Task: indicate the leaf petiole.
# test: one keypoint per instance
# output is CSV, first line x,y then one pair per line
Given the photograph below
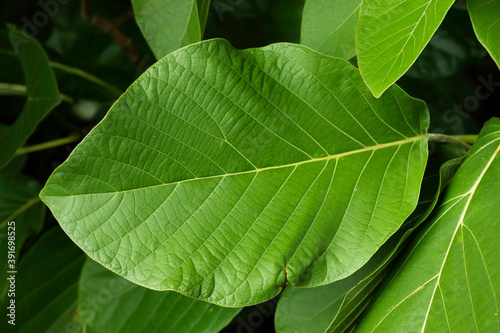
x,y
49,144
460,140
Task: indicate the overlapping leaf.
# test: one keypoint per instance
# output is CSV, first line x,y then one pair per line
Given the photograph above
x,y
334,307
109,303
223,173
449,277
42,91
330,26
47,287
390,36
486,23
169,25
451,48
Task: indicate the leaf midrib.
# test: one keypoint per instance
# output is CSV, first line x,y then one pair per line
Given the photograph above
x,y
470,193
257,170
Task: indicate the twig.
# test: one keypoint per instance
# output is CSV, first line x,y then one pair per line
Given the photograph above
x,y
49,144
448,139
107,27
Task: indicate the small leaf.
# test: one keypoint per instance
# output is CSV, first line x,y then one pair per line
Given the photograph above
x,y
19,203
108,303
172,24
484,16
334,307
449,276
222,173
390,36
42,91
46,287
330,26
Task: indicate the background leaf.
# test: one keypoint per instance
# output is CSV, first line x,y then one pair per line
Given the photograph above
x,y
109,303
330,26
42,91
47,287
19,202
449,276
484,16
334,307
169,25
240,178
390,36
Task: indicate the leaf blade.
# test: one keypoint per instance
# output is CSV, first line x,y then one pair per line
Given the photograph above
x,y
254,154
330,28
486,25
334,307
445,247
42,91
169,25
384,56
153,311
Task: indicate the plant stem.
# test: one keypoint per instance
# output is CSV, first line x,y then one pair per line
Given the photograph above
x,y
87,76
49,144
75,71
14,89
455,140
467,138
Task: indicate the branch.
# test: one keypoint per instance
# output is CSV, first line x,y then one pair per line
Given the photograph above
x,y
108,28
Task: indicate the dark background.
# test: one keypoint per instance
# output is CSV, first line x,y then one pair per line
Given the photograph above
x,y
447,76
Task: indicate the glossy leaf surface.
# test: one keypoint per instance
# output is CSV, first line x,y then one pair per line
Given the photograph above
x,y
223,173
390,36
43,94
330,26
449,276
109,303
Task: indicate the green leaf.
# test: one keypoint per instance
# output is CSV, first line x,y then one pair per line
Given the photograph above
x,y
330,26
19,202
390,36
203,9
218,175
333,307
109,303
449,277
172,24
42,91
484,16
451,48
46,287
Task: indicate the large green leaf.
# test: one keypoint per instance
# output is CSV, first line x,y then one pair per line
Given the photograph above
x,y
169,25
333,307
390,36
42,91
486,23
19,203
223,173
47,287
449,277
330,26
109,303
